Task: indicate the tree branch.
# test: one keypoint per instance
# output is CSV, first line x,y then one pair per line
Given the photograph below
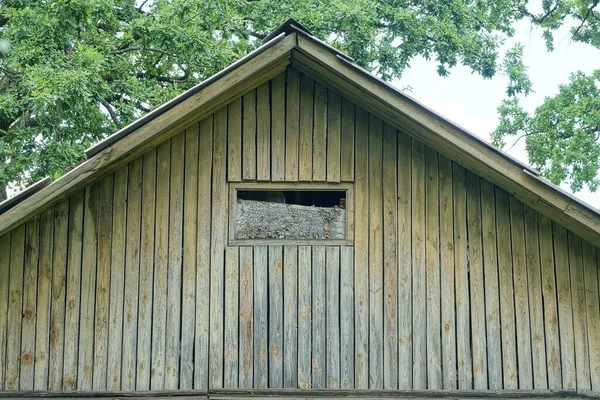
x,y
585,17
112,113
181,79
537,18
135,48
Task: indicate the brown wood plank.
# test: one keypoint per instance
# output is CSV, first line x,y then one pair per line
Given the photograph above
x,y
319,319
263,132
161,261
261,314
492,294
201,346
521,295
292,124
463,328
132,274
476,289
361,253
219,237
390,262
305,143
190,230
376,270
405,355
565,311
85,365
319,139
278,128
4,290
234,141
448,312
304,317
246,375
248,135
347,317
534,278
276,312
32,240
332,288
549,290
419,295
117,280
15,308
592,311
347,142
230,342
582,360
73,294
290,317
334,117
147,240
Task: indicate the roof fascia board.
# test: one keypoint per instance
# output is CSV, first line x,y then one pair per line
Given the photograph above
x,y
247,75
406,114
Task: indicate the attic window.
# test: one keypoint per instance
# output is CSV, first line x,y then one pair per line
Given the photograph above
x,y
278,213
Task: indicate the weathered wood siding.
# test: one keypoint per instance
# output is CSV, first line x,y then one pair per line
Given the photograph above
x,y
451,283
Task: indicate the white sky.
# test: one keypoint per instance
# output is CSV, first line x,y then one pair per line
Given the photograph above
x,y
470,101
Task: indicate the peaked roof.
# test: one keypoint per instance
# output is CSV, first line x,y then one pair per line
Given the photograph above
x,y
293,44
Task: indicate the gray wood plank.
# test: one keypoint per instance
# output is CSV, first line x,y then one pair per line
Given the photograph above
x,y
278,128
276,312
248,135
234,141
319,319
304,317
263,132
305,144
15,309
347,142
592,311
334,116
347,317
290,317
246,378
319,139
230,373
261,315
4,290
292,124
332,282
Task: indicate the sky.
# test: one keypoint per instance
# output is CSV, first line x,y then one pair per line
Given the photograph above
x,y
470,101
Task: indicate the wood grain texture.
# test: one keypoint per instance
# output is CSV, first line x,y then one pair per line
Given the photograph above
x,y
276,312
231,335
347,141
4,290
590,268
347,317
332,317
234,141
248,135
292,124
261,315
263,132
319,324
305,142
304,317
290,317
246,365
278,123
15,308
319,139
334,116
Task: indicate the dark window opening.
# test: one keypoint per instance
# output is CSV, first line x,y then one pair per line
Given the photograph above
x,y
312,198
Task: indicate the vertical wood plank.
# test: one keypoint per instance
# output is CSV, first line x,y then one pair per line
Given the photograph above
x,y
218,238
447,274
347,317
376,270
261,313
230,377
463,328
332,262
85,363
507,303
147,238
534,278
582,360
161,262
117,279
275,316
404,262
347,142
15,306
278,128
32,236
174,269
105,215
246,376
475,265
361,253
305,150
4,290
319,319
132,274
73,291
263,132
334,117
234,141
292,124
592,311
201,345
248,134
419,296
390,264
492,296
521,295
304,317
190,239
565,311
320,134
432,267
549,291
290,317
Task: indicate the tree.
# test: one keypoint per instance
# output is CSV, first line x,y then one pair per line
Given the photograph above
x,y
562,135
77,70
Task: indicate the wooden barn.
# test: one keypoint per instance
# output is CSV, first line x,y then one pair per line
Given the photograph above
x,y
295,227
